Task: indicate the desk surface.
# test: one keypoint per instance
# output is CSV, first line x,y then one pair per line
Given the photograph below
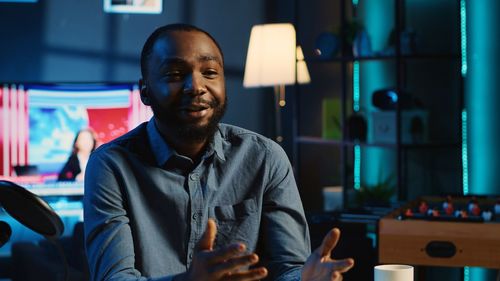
x,y
56,188
47,186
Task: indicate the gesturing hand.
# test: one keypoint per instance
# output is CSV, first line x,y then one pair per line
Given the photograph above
x,y
320,266
226,263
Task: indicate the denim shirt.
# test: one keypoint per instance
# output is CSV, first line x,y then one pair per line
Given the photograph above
x,y
145,206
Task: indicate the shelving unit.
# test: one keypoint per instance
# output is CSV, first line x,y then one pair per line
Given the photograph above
x,y
319,140
313,156
351,59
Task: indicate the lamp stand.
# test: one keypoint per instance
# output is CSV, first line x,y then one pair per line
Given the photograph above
x,y
279,97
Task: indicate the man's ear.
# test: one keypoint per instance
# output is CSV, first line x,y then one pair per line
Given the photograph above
x,y
144,92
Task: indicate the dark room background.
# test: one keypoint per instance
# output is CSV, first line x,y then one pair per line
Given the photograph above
x,y
74,41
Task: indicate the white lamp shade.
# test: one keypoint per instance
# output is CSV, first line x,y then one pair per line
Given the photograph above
x,y
302,72
271,56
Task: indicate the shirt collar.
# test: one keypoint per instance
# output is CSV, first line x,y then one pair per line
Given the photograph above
x,y
163,151
217,145
160,148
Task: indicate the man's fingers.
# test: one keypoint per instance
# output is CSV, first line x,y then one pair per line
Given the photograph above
x,y
252,274
207,240
226,253
343,266
336,276
329,242
237,263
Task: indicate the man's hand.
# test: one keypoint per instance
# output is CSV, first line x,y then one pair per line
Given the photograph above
x,y
226,263
320,266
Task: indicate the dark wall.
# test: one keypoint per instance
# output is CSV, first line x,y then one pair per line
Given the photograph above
x,y
20,33
75,41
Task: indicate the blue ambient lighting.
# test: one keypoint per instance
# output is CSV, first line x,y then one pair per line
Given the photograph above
x,y
357,167
355,106
463,36
465,160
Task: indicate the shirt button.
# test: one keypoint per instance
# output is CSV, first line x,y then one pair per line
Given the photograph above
x,y
195,216
194,177
190,256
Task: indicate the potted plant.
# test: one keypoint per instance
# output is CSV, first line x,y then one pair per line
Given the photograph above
x,y
377,195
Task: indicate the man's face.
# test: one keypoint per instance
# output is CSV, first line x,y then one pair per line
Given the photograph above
x,y
185,84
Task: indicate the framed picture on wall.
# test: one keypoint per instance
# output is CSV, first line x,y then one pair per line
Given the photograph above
x,y
133,6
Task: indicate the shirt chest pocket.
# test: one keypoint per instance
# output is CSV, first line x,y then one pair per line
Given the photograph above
x,y
237,223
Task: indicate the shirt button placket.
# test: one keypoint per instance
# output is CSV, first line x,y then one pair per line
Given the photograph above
x,y
195,216
189,257
194,177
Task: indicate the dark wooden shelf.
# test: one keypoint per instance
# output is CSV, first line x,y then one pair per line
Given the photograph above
x,y
322,141
428,56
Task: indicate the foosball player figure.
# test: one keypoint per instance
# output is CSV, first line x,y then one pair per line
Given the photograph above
x,y
461,214
497,208
423,207
470,204
473,207
487,215
476,211
408,213
448,206
435,212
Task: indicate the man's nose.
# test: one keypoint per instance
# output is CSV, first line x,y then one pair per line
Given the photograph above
x,y
194,84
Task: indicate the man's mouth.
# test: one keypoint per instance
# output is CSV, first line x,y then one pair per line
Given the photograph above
x,y
196,110
196,107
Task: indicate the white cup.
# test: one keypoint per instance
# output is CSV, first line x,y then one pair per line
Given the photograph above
x,y
393,272
332,198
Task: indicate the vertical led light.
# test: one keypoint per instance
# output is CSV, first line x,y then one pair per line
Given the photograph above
x,y
463,44
5,125
463,37
355,106
465,163
22,124
355,86
465,160
357,167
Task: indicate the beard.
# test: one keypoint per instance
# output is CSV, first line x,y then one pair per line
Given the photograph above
x,y
187,131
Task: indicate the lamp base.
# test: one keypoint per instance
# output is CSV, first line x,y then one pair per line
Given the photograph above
x,y
279,96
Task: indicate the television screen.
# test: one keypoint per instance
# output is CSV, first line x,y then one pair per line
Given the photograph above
x,y
39,124
133,6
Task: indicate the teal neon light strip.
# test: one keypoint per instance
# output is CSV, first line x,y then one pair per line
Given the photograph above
x,y
463,37
465,159
355,107
355,86
357,167
466,273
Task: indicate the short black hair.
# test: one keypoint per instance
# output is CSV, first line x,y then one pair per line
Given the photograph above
x,y
160,31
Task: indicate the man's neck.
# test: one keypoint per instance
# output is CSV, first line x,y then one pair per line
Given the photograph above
x,y
189,148
192,150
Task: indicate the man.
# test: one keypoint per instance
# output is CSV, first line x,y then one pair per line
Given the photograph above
x,y
183,197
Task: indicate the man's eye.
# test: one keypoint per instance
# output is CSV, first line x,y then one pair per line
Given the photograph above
x,y
210,73
173,75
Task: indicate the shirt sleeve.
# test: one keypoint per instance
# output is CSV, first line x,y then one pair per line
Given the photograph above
x,y
108,237
284,230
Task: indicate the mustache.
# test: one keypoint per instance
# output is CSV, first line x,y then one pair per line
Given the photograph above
x,y
200,101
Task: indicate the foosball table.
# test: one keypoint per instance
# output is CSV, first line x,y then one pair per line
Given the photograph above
x,y
443,231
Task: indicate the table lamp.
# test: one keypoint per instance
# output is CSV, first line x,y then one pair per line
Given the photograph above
x,y
274,59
